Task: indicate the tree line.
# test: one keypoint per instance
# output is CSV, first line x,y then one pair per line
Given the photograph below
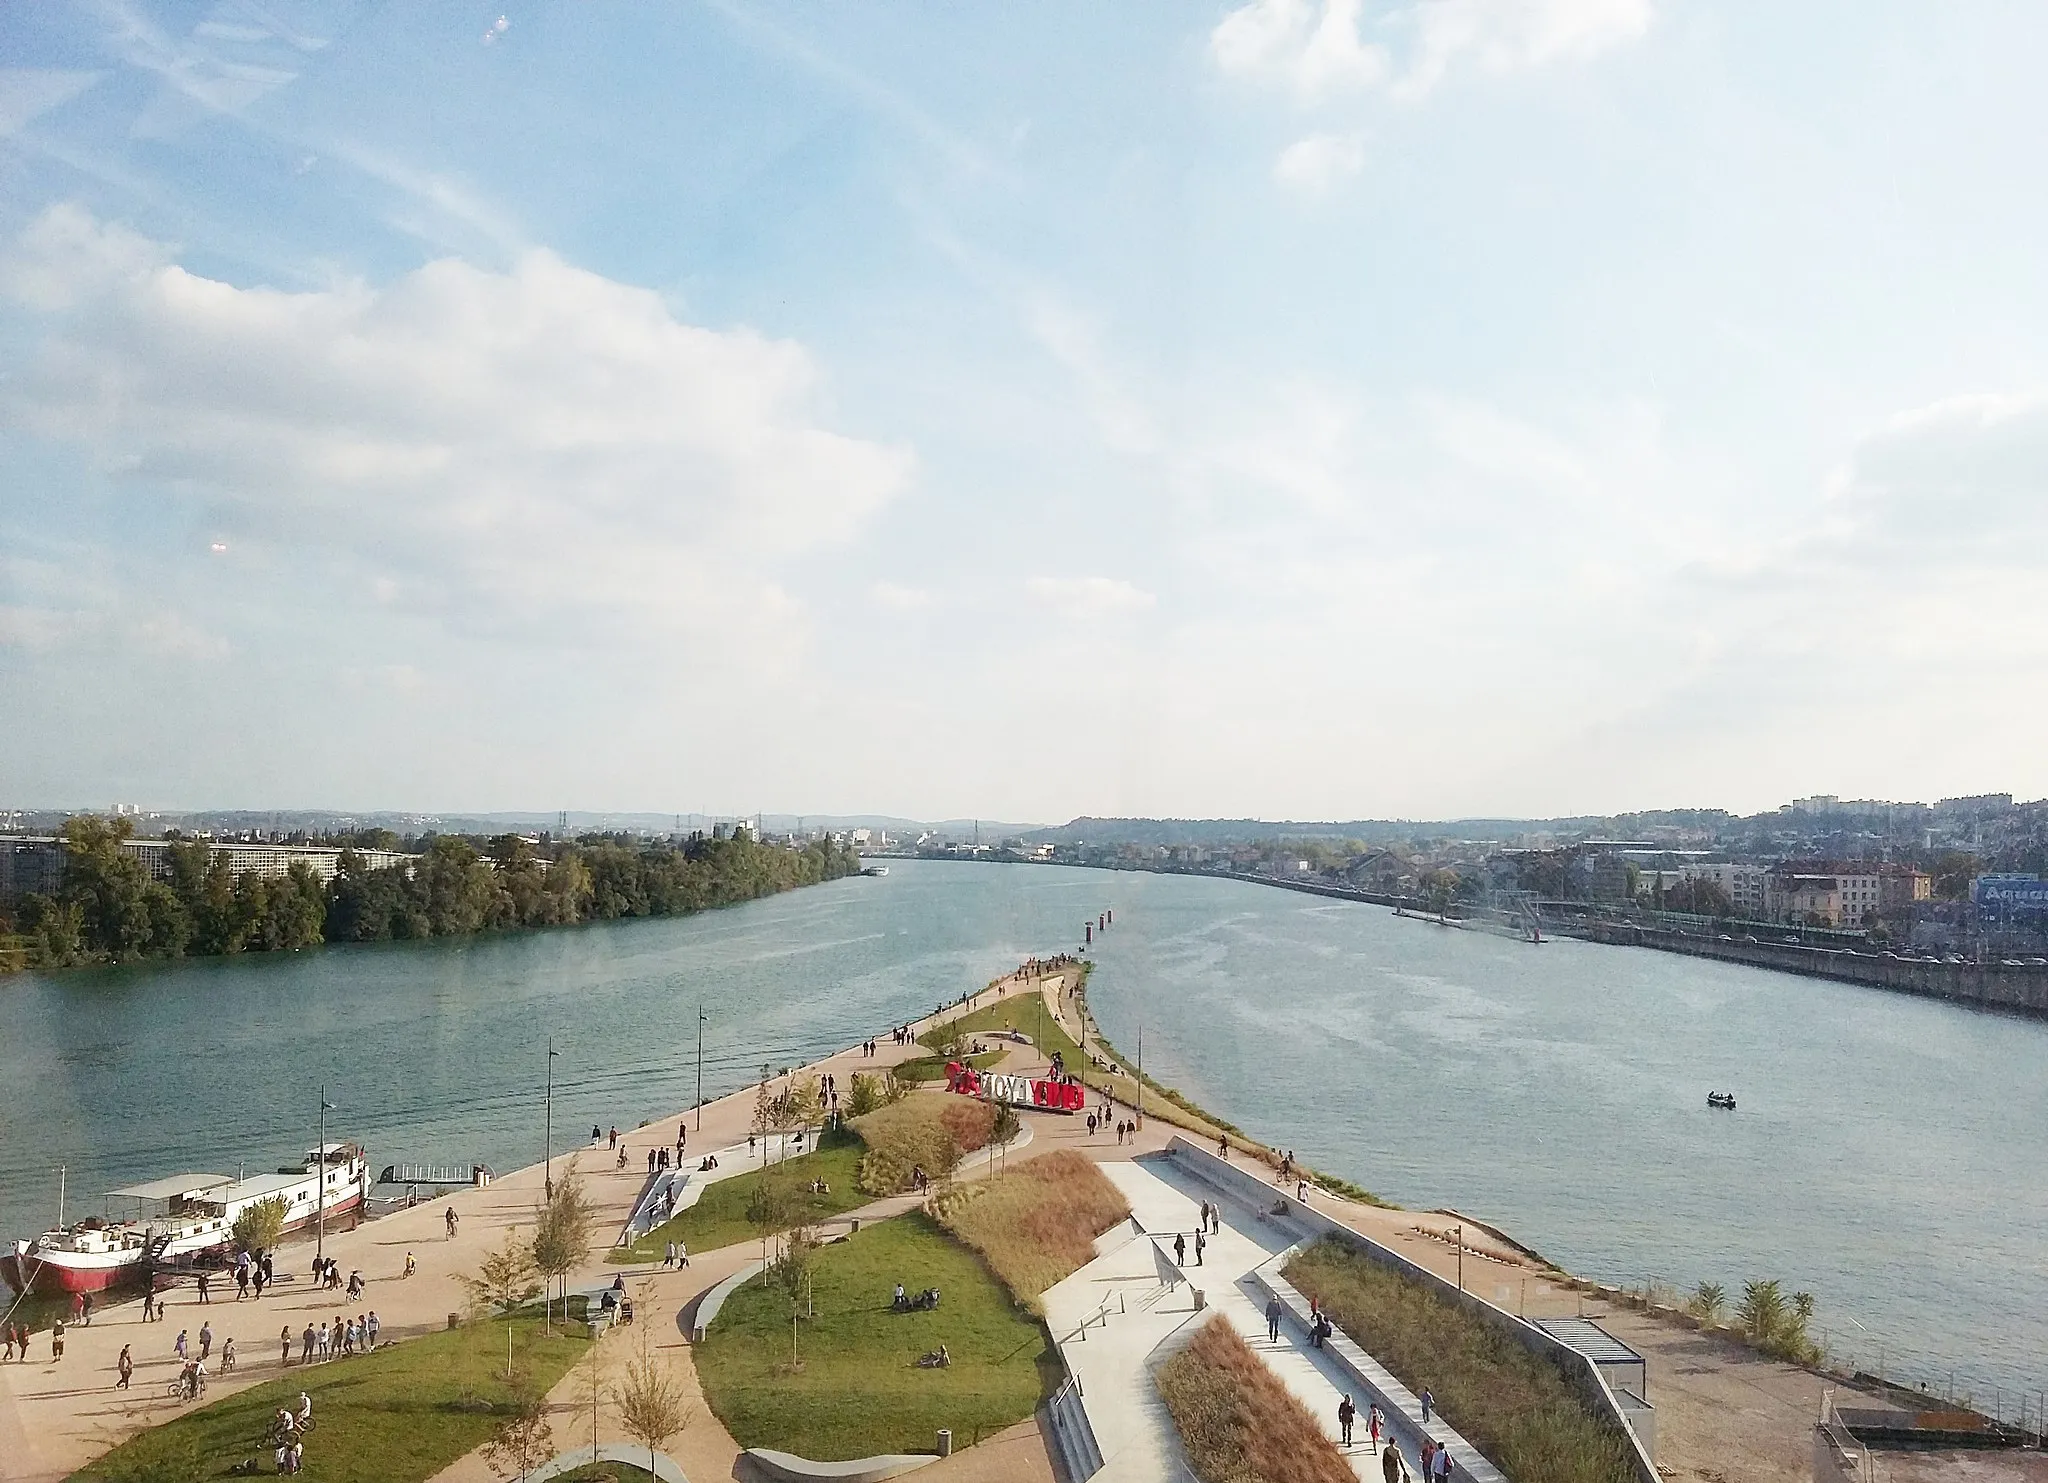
x,y
109,909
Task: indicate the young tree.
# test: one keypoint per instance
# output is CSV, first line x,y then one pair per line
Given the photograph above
x,y
258,1227
503,1281
561,1231
523,1440
863,1094
652,1404
1002,1128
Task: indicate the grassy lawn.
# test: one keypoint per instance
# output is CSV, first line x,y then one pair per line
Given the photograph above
x,y
921,1069
396,1416
1038,1222
1238,1422
719,1218
860,1391
606,1472
1512,1405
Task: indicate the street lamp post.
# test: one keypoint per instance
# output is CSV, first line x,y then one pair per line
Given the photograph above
x,y
320,1189
1460,1230
700,1065
548,1125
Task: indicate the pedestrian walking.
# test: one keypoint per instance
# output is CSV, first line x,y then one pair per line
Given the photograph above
x,y
7,1335
125,1368
1427,1457
241,1281
1392,1468
1444,1465
205,1340
85,1309
1273,1312
180,1346
57,1340
682,1254
451,1222
306,1346
1201,1244
1373,1423
21,1341
370,1330
284,1344
1180,1250
320,1341
1428,1405
1346,1415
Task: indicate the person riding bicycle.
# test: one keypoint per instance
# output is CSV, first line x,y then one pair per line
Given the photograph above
x,y
305,1408
227,1356
451,1222
411,1266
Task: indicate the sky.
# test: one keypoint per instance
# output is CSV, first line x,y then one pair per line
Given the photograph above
x,y
1308,408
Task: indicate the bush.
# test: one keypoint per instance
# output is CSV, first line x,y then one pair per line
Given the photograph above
x,y
1238,1422
1038,1223
1514,1406
926,1132
1775,1324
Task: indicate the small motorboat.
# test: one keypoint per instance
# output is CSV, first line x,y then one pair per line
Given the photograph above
x,y
1721,1099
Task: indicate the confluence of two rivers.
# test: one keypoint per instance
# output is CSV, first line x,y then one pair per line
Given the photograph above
x,y
1889,1154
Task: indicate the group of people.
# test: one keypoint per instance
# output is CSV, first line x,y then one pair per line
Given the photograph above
x,y
288,1434
1126,1128
327,1274
678,1255
16,1337
252,1273
325,1341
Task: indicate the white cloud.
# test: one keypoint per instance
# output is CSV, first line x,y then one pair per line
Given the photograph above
x,y
1516,35
1313,48
500,447
1316,48
1088,597
1315,164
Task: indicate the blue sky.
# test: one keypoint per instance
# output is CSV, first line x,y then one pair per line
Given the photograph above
x,y
1305,409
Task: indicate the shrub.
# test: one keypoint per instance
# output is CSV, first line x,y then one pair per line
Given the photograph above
x,y
1514,1406
1775,1324
1038,1223
1238,1422
928,1132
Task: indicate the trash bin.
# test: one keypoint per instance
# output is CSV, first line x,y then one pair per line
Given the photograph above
x,y
945,1441
455,1320
1201,1301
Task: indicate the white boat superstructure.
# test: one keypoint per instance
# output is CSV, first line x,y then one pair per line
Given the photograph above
x,y
190,1216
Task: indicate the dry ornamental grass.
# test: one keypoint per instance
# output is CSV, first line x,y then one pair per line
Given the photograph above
x,y
1512,1405
926,1131
1038,1222
1238,1422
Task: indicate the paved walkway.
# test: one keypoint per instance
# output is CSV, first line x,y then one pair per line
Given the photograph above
x,y
56,1417
1133,1307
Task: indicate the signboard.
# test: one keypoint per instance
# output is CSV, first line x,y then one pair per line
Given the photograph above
x,y
2009,893
1043,1094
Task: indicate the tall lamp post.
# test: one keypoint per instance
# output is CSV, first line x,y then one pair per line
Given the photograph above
x,y
700,1065
548,1125
320,1194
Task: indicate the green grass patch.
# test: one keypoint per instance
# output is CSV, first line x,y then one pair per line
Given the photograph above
x,y
1514,1406
860,1390
922,1069
719,1218
606,1472
395,1416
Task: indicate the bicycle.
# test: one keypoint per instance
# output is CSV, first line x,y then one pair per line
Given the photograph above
x,y
174,1389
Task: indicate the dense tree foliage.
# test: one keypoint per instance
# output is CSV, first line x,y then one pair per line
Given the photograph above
x,y
109,909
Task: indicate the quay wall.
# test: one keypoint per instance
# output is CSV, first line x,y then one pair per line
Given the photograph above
x,y
2022,989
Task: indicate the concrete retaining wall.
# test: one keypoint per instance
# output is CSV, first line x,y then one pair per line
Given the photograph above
x,y
2022,990
1073,1436
1582,1374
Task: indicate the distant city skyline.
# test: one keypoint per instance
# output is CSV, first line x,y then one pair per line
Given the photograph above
x,y
1302,409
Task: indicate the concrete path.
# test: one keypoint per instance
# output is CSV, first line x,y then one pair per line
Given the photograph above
x,y
1133,1307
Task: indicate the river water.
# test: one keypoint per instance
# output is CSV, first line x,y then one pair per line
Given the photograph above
x,y
1889,1155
